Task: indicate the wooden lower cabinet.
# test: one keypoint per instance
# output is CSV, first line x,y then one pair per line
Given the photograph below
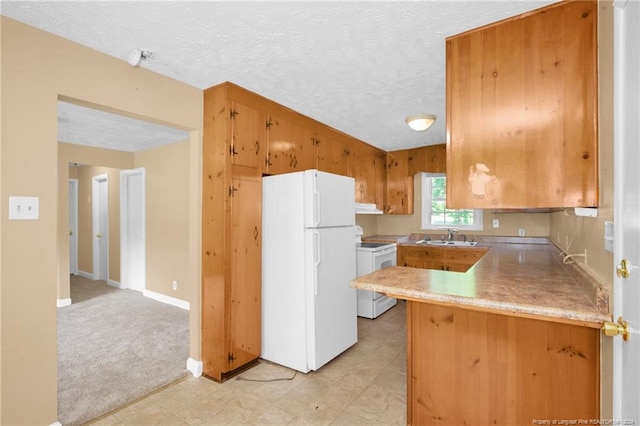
x,y
445,259
476,368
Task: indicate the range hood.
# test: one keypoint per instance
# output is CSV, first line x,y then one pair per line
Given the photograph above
x,y
363,208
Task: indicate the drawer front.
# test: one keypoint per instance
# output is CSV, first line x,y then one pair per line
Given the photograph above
x,y
463,254
430,252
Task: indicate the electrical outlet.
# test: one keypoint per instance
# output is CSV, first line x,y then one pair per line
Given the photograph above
x,y
496,223
521,232
174,284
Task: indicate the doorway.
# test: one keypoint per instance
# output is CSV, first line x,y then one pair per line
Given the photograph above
x,y
100,205
73,226
132,229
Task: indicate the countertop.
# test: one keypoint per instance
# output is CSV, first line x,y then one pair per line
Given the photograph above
x,y
517,276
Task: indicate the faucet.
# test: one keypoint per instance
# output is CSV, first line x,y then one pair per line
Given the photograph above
x,y
452,231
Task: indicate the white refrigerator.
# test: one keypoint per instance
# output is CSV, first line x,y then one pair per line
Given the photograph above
x,y
309,311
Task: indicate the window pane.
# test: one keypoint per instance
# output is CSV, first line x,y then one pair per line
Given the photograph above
x,y
435,213
438,188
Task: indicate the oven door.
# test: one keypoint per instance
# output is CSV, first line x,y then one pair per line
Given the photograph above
x,y
384,258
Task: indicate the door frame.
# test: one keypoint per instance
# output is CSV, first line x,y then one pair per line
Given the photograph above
x,y
626,291
73,226
125,175
96,207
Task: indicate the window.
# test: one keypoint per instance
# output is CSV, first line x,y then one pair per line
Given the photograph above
x,y
435,215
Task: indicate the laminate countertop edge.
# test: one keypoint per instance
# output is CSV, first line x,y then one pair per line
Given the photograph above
x,y
525,280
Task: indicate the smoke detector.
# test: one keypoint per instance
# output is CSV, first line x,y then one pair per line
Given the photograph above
x,y
137,55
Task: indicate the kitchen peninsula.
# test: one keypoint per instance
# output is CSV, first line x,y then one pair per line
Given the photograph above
x,y
514,339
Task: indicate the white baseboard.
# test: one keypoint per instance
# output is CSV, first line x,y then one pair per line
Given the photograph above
x,y
195,367
166,299
63,302
56,424
85,274
115,284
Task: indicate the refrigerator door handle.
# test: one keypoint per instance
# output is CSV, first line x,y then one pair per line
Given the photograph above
x,y
316,210
316,263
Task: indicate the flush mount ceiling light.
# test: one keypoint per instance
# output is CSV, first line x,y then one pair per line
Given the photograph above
x,y
420,122
137,55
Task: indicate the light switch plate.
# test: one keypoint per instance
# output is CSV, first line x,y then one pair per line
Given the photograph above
x,y
24,208
608,236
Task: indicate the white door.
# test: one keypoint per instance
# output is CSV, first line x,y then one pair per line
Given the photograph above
x,y
331,301
626,303
73,226
100,199
132,229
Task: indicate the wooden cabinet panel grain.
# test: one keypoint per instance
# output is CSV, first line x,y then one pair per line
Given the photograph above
x,y
366,165
248,135
291,146
399,185
522,111
246,269
442,258
469,367
430,158
333,152
231,229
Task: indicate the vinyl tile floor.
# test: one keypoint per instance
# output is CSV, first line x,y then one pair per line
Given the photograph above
x,y
364,385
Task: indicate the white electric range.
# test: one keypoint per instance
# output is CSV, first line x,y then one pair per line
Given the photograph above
x,y
370,257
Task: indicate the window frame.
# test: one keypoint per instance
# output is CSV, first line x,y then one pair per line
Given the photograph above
x,y
478,224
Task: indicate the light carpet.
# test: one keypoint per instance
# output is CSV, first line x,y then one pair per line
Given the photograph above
x,y
115,346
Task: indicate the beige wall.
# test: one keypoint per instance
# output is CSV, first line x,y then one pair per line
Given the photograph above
x,y
38,68
167,218
85,219
535,224
167,212
110,160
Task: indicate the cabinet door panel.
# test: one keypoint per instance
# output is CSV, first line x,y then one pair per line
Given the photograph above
x,y
362,167
247,136
399,184
332,154
522,111
291,147
246,273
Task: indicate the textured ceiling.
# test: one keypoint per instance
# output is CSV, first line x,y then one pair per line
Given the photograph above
x,y
87,126
360,67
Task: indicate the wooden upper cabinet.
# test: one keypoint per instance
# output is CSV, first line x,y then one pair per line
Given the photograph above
x,y
333,152
291,146
399,184
247,135
522,111
431,159
366,165
380,166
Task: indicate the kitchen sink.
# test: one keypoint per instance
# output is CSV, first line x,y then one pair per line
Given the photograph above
x,y
447,243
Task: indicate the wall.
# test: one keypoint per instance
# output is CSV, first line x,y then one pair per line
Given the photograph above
x,y
167,218
37,70
535,224
85,219
85,155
